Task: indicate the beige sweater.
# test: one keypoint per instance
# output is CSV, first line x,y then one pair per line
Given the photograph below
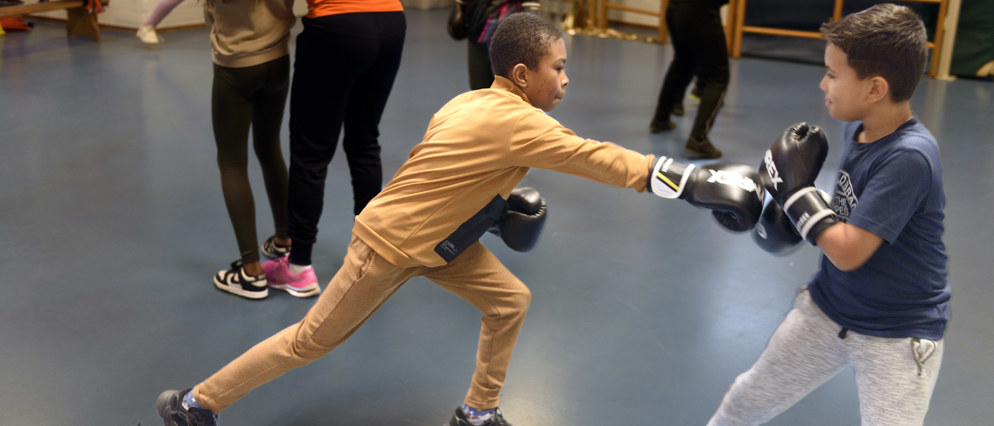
x,y
245,33
478,146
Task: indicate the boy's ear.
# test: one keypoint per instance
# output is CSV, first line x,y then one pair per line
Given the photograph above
x,y
519,75
879,89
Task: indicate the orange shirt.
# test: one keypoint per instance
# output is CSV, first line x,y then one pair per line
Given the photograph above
x,y
318,8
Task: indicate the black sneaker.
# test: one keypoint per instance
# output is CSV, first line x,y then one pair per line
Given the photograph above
x,y
657,126
170,407
273,250
701,148
461,419
237,282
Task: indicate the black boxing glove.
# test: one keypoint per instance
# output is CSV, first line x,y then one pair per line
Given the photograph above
x,y
522,221
788,172
729,190
775,233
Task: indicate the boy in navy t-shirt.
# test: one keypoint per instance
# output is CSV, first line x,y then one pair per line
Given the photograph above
x,y
880,300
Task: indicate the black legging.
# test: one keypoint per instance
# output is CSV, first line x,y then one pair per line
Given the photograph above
x,y
699,48
343,72
242,98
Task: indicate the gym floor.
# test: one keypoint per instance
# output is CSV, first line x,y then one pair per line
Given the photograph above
x,y
643,310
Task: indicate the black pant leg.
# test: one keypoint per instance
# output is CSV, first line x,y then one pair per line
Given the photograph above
x,y
333,52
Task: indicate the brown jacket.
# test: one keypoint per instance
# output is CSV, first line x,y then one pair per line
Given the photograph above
x,y
478,147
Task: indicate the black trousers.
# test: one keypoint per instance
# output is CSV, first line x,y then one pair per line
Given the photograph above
x,y
699,48
242,98
343,73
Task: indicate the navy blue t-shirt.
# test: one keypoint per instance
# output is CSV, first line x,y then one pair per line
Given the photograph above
x,y
891,187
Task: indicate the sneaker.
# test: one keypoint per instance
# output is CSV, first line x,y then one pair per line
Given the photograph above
x,y
701,148
304,284
236,281
678,110
273,250
657,126
461,419
170,407
147,34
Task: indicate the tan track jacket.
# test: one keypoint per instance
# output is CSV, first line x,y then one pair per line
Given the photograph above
x,y
478,147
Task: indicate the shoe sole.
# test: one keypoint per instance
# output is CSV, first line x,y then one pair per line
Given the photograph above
x,y
162,403
305,293
253,295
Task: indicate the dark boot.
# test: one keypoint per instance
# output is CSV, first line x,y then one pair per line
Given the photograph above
x,y
701,148
657,126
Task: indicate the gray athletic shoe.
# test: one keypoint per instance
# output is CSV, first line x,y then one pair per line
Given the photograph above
x,y
461,419
170,407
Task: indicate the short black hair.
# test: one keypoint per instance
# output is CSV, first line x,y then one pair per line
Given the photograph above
x,y
521,38
885,40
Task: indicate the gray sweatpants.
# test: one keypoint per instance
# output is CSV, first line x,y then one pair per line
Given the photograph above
x,y
895,377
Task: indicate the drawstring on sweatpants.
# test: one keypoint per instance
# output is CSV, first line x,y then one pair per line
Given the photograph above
x,y
922,349
843,333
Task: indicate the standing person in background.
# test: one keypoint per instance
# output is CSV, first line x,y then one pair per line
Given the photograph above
x,y
146,32
698,47
346,61
480,19
251,81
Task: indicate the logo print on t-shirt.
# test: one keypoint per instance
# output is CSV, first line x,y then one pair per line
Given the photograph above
x,y
843,198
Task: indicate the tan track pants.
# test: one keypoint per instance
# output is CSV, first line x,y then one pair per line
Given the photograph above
x,y
360,287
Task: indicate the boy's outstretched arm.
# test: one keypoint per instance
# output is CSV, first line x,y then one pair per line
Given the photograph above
x,y
730,191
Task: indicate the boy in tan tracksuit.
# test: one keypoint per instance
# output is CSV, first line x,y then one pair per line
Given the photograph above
x,y
427,220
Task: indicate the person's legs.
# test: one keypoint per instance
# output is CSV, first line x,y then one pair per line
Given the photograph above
x,y
365,108
146,32
804,352
481,279
160,12
360,287
267,120
712,57
895,377
678,75
231,117
327,63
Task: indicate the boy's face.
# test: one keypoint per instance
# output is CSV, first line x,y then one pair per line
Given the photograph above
x,y
547,84
845,93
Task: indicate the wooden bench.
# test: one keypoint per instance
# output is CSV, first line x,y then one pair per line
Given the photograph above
x,y
737,10
79,19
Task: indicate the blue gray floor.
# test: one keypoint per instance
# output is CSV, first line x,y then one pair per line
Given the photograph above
x,y
644,310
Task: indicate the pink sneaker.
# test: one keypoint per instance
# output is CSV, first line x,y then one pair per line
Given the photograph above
x,y
278,275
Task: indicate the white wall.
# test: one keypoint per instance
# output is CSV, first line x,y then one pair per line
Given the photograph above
x,y
132,13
